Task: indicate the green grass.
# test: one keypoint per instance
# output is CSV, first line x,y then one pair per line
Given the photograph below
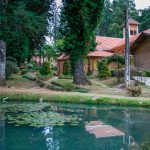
x,y
78,99
51,98
18,81
68,85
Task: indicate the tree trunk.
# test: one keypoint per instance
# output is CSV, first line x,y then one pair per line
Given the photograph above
x,y
2,62
79,75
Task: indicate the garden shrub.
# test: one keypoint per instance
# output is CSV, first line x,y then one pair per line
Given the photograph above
x,y
61,76
41,83
113,73
134,91
43,77
11,67
147,73
67,67
24,71
81,90
53,87
11,59
29,76
140,73
68,87
103,69
45,69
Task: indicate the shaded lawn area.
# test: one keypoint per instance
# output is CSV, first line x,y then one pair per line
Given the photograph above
x,y
99,88
18,81
107,86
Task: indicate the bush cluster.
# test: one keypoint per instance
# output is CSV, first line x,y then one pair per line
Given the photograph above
x,y
103,69
11,66
45,69
134,91
29,76
24,71
147,73
68,86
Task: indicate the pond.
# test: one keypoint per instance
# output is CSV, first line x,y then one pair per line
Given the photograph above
x,y
49,126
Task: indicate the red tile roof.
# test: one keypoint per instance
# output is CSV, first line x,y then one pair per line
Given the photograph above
x,y
133,22
63,57
99,53
110,44
121,46
147,31
107,43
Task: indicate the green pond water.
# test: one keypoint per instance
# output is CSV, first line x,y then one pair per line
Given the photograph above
x,y
49,126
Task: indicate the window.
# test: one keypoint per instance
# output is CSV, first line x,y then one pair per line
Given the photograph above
x,y
131,32
135,32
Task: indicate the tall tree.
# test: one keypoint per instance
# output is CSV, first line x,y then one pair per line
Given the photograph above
x,y
114,16
80,19
144,19
23,25
103,27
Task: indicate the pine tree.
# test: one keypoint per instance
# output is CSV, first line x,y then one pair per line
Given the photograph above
x,y
144,19
23,25
114,16
80,19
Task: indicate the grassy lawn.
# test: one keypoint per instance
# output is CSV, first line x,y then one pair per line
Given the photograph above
x,y
101,92
78,99
18,82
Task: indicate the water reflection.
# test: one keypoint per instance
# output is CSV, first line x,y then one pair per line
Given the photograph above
x,y
2,130
51,142
134,123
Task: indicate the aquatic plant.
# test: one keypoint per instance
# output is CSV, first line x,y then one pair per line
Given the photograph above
x,y
40,115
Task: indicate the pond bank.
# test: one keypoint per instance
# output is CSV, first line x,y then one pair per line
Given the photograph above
x,y
77,98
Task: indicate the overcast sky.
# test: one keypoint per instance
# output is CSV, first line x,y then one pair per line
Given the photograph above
x,y
140,4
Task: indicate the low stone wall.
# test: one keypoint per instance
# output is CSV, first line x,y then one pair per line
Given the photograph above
x,y
145,80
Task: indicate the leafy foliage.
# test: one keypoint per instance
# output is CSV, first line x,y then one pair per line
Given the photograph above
x,y
39,115
79,20
116,10
144,19
103,69
116,58
24,71
23,25
45,69
11,67
67,68
147,73
134,91
29,76
67,85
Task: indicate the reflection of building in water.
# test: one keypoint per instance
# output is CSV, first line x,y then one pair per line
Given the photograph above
x,y
101,130
2,130
92,112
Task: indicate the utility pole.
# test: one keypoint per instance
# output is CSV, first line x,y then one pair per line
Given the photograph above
x,y
127,47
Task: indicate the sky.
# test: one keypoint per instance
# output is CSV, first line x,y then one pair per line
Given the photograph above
x,y
140,4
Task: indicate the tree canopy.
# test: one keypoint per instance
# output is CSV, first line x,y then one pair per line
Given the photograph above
x,y
80,19
114,15
23,25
